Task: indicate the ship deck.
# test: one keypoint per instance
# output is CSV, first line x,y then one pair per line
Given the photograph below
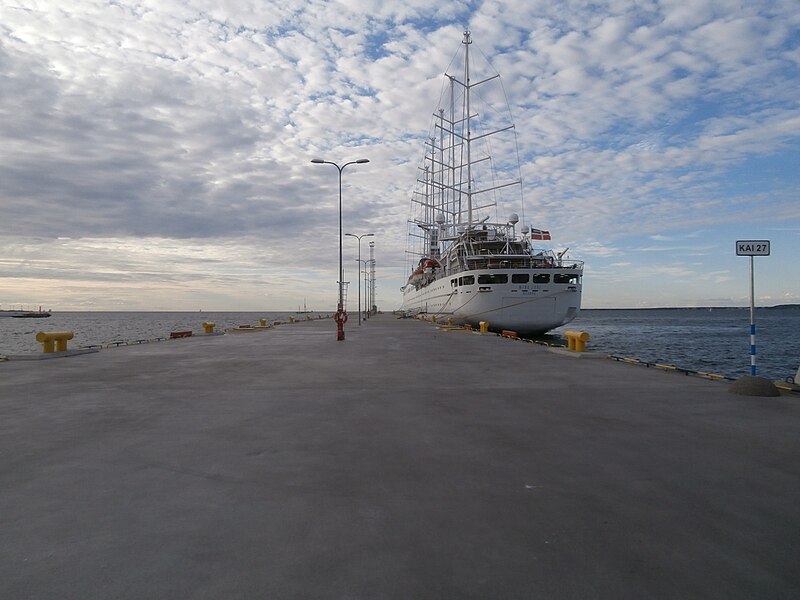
x,y
404,462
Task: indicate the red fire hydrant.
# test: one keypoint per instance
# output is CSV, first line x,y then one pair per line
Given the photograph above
x,y
341,319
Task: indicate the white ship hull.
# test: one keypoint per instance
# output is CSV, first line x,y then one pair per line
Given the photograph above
x,y
525,308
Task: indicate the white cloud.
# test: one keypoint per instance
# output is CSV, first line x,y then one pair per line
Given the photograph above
x,y
193,123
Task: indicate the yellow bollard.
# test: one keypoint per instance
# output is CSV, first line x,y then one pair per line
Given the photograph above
x,y
262,322
433,318
576,340
291,319
484,325
209,327
54,341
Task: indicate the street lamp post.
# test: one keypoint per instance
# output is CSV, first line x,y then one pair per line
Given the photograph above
x,y
341,315
365,262
367,306
359,260
371,292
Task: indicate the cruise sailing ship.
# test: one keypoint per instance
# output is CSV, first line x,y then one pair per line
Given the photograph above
x,y
467,262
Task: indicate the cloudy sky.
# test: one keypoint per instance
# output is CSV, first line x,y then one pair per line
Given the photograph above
x,y
155,154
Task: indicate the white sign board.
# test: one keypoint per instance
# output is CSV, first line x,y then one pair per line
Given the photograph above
x,y
752,248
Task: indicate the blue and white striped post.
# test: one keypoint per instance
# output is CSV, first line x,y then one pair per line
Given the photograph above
x,y
752,248
752,322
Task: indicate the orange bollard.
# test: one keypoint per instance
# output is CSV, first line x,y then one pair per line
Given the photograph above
x,y
54,341
576,340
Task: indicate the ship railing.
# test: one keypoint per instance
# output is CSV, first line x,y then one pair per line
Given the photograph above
x,y
504,261
549,259
566,263
498,261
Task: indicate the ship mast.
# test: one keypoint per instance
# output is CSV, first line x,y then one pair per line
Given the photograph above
x,y
467,42
450,181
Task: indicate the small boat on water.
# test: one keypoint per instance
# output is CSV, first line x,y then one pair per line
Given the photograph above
x,y
468,263
305,310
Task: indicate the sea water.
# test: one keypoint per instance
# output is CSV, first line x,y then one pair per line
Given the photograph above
x,y
18,336
713,340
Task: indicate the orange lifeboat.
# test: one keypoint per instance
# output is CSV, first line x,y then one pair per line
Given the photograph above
x,y
415,275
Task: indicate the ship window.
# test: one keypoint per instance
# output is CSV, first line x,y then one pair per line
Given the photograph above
x,y
565,278
454,282
468,280
493,278
541,278
519,278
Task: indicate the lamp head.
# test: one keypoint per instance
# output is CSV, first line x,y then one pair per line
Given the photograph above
x,y
317,161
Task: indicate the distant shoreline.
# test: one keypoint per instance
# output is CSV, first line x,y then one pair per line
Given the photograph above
x,y
777,306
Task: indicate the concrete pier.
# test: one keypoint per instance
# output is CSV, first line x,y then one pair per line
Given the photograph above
x,y
405,462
